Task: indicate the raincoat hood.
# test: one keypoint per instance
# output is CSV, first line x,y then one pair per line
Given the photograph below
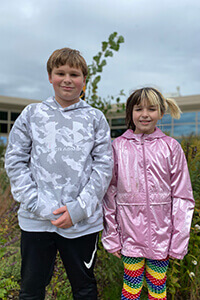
x,y
130,135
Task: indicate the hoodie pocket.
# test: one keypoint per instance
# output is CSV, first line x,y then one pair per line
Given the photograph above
x,y
46,205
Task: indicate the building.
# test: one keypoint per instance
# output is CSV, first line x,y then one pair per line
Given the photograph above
x,y
188,124
10,108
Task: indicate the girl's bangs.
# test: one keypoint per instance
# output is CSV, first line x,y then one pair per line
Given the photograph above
x,y
151,97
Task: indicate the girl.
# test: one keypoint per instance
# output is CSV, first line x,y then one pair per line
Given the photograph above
x,y
149,205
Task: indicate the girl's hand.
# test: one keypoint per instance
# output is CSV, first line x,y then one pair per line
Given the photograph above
x,y
63,221
117,253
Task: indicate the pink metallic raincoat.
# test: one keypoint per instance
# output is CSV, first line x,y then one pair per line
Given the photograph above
x,y
149,205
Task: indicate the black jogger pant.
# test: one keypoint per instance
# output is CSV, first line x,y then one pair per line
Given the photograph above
x,y
38,251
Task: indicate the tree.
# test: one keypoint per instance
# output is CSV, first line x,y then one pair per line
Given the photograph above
x,y
96,68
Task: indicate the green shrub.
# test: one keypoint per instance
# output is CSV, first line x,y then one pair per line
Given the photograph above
x,y
9,255
183,281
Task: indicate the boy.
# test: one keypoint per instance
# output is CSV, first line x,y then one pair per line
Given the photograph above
x,y
59,162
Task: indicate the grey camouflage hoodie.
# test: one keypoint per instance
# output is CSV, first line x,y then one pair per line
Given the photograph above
x,y
59,156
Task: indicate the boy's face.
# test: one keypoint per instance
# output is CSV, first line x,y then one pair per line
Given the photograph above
x,y
67,83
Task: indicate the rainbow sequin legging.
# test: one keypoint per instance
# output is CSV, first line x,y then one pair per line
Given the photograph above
x,y
134,273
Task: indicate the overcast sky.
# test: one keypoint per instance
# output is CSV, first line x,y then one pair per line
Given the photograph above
x,y
161,49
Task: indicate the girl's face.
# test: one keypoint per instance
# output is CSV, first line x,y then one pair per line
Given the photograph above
x,y
145,117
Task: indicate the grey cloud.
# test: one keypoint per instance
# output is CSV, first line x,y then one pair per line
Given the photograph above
x,y
161,43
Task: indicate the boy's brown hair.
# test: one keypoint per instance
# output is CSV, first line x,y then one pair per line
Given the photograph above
x,y
68,56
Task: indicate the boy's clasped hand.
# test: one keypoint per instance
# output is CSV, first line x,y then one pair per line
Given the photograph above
x,y
64,221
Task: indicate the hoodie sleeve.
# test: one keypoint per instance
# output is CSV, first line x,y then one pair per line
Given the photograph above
x,y
182,204
17,158
110,235
93,192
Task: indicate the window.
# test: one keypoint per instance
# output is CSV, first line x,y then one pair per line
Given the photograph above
x,y
3,115
166,119
3,128
187,117
118,122
184,130
189,123
7,119
117,132
198,117
14,115
185,126
166,129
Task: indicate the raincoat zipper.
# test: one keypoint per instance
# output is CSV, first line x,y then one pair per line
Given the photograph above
x,y
147,196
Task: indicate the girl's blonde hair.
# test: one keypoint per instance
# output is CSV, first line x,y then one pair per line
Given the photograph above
x,y
154,97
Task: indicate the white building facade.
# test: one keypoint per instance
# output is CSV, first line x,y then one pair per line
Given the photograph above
x,y
188,124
